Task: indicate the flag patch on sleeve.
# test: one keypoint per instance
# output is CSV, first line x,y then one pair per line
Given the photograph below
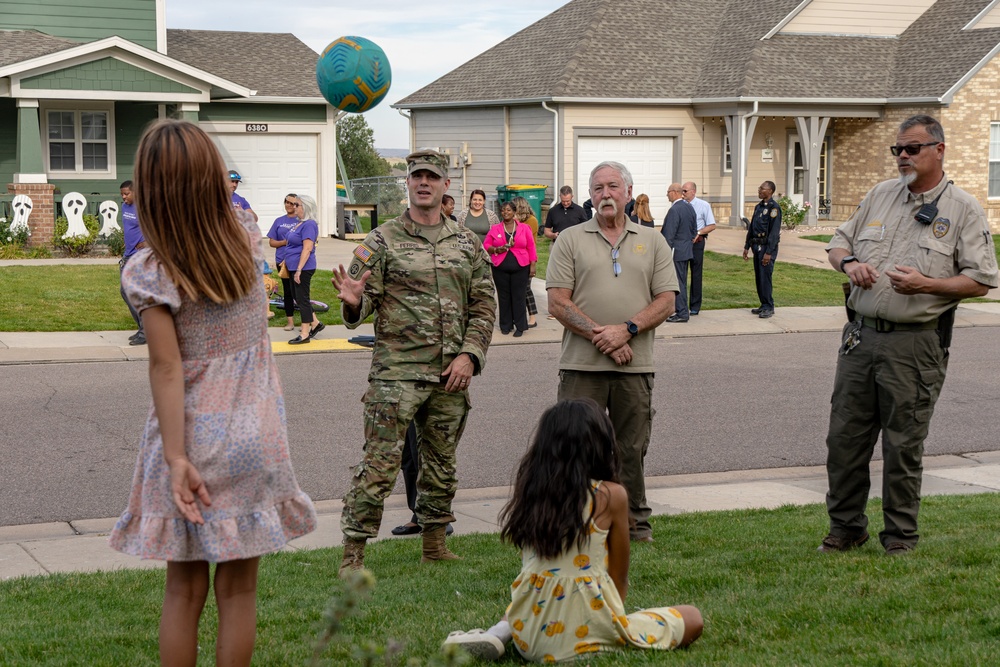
x,y
363,252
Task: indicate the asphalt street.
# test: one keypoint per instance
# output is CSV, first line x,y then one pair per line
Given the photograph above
x,y
70,432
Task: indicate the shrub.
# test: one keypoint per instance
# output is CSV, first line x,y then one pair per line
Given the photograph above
x,y
76,245
792,214
115,241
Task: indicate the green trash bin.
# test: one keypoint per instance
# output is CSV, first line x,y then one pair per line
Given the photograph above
x,y
533,193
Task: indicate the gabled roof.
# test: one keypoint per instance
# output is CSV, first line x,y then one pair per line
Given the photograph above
x,y
686,50
74,53
273,64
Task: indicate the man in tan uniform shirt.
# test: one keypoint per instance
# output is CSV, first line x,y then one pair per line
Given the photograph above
x,y
915,247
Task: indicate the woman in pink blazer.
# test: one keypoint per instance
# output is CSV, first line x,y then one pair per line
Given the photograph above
x,y
511,246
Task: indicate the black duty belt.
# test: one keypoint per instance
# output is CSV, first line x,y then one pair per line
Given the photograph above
x,y
885,326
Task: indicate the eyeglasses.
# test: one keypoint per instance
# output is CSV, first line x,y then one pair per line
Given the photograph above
x,y
911,149
289,203
297,205
616,268
685,191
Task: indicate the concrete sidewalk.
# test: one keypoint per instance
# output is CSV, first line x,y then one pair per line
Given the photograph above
x,y
81,546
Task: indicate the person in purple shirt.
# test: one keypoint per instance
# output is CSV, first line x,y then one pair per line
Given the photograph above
x,y
277,233
134,241
300,258
238,201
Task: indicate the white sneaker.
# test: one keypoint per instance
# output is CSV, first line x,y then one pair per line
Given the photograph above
x,y
478,643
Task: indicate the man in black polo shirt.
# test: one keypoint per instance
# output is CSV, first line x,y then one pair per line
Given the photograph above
x,y
565,215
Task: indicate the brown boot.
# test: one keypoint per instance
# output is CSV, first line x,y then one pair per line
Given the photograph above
x,y
354,556
434,548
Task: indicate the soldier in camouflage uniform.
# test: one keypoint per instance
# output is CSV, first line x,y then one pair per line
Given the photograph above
x,y
428,282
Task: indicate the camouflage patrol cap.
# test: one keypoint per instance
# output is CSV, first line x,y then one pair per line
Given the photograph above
x,y
427,159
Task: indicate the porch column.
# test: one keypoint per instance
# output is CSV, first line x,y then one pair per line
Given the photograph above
x,y
29,166
188,111
812,130
740,130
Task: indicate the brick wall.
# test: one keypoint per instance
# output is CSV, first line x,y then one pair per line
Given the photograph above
x,y
861,147
967,134
42,220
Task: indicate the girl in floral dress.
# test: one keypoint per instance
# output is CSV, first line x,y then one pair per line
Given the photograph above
x,y
213,481
569,517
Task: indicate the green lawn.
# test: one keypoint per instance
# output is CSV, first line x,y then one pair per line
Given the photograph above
x,y
822,238
85,298
767,596
64,297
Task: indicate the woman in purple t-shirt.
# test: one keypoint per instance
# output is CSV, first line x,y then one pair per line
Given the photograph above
x,y
277,234
300,258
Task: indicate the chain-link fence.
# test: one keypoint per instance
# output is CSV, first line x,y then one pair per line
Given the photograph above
x,y
389,192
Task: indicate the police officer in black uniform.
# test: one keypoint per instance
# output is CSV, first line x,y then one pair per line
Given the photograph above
x,y
762,237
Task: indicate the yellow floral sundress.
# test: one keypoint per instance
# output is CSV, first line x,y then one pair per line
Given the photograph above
x,y
569,606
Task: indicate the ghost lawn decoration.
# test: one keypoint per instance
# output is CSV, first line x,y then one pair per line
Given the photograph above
x,y
74,204
109,214
22,209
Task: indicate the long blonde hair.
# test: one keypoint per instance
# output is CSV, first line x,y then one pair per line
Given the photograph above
x,y
186,214
522,209
641,209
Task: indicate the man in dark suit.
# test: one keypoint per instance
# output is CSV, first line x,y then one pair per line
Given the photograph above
x,y
679,228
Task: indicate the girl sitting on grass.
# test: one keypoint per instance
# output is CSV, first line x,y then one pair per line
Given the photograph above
x,y
569,517
213,482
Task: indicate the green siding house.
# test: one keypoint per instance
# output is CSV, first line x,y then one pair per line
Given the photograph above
x,y
80,81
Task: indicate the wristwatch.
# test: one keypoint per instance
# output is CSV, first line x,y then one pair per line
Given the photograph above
x,y
847,260
632,327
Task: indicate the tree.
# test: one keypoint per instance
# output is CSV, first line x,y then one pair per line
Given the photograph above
x,y
356,142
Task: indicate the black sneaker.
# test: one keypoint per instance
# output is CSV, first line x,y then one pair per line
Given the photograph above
x,y
140,339
764,314
755,311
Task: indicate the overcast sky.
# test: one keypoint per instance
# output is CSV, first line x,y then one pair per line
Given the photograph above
x,y
423,41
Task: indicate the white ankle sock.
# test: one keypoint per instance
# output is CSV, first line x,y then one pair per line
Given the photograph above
x,y
502,631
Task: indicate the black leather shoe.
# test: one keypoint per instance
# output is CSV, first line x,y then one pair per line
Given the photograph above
x,y
764,314
406,529
755,311
299,340
138,340
676,318
316,329
832,543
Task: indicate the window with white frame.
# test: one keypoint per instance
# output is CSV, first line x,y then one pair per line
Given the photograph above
x,y
994,184
79,140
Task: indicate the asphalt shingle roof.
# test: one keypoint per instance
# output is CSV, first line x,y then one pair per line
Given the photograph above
x,y
20,45
273,64
704,49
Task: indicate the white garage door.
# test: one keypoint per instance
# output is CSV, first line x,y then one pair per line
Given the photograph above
x,y
650,159
272,165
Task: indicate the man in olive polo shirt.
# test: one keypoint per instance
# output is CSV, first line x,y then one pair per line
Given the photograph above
x,y
915,247
610,283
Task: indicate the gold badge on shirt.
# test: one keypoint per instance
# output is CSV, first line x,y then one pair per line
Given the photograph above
x,y
639,249
941,227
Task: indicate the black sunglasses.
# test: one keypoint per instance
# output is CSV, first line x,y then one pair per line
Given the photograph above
x,y
289,203
911,149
